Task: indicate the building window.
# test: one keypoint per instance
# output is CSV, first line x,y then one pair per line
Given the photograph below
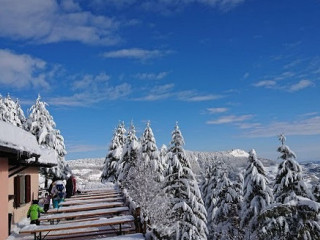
x,y
22,190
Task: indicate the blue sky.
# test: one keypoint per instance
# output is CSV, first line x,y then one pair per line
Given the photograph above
x,y
233,73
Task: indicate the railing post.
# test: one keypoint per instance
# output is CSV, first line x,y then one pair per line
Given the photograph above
x,y
137,220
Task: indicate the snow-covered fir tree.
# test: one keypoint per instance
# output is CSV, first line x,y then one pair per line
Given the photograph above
x,y
226,215
130,154
150,153
111,164
289,182
257,195
149,195
294,215
41,124
316,191
163,155
188,214
11,112
208,187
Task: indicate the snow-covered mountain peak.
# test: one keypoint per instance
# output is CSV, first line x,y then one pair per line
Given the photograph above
x,y
239,153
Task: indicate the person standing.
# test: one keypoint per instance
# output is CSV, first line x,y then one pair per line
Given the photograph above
x,y
74,183
46,202
69,187
34,212
58,193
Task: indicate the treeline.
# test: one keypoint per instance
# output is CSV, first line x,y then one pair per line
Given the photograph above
x,y
40,123
225,205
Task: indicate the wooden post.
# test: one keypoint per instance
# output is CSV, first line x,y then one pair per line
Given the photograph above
x,y
137,220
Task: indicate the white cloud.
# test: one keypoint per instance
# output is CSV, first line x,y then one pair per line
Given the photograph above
x,y
217,110
230,119
310,126
21,70
151,76
300,85
194,96
158,93
41,21
136,53
92,89
265,83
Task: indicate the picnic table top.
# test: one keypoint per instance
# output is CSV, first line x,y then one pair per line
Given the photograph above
x,y
86,201
94,196
95,223
100,189
135,236
84,213
85,207
96,193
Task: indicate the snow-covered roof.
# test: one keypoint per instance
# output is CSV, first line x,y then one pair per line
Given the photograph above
x,y
47,156
18,139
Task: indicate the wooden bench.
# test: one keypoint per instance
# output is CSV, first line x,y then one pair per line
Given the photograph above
x,y
135,236
119,220
94,194
88,233
99,190
86,207
116,210
93,197
87,201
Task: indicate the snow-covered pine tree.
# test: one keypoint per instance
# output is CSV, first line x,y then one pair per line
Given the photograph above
x,y
257,195
150,153
226,215
294,215
111,164
208,187
11,112
316,192
41,124
163,155
188,215
130,154
21,119
148,193
289,182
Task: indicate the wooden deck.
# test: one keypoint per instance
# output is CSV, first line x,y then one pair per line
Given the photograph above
x,y
93,215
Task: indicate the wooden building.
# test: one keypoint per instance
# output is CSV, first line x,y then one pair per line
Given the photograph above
x,y
20,160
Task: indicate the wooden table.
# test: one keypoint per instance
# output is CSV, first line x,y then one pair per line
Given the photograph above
x,y
116,210
86,207
35,229
87,201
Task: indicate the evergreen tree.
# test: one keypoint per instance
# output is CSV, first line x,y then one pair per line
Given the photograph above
x,y
163,156
294,215
11,112
131,151
316,192
209,193
150,153
41,124
226,215
149,195
111,164
289,182
256,193
188,215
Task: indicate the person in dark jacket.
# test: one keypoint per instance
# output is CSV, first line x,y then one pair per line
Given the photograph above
x,y
34,212
69,187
